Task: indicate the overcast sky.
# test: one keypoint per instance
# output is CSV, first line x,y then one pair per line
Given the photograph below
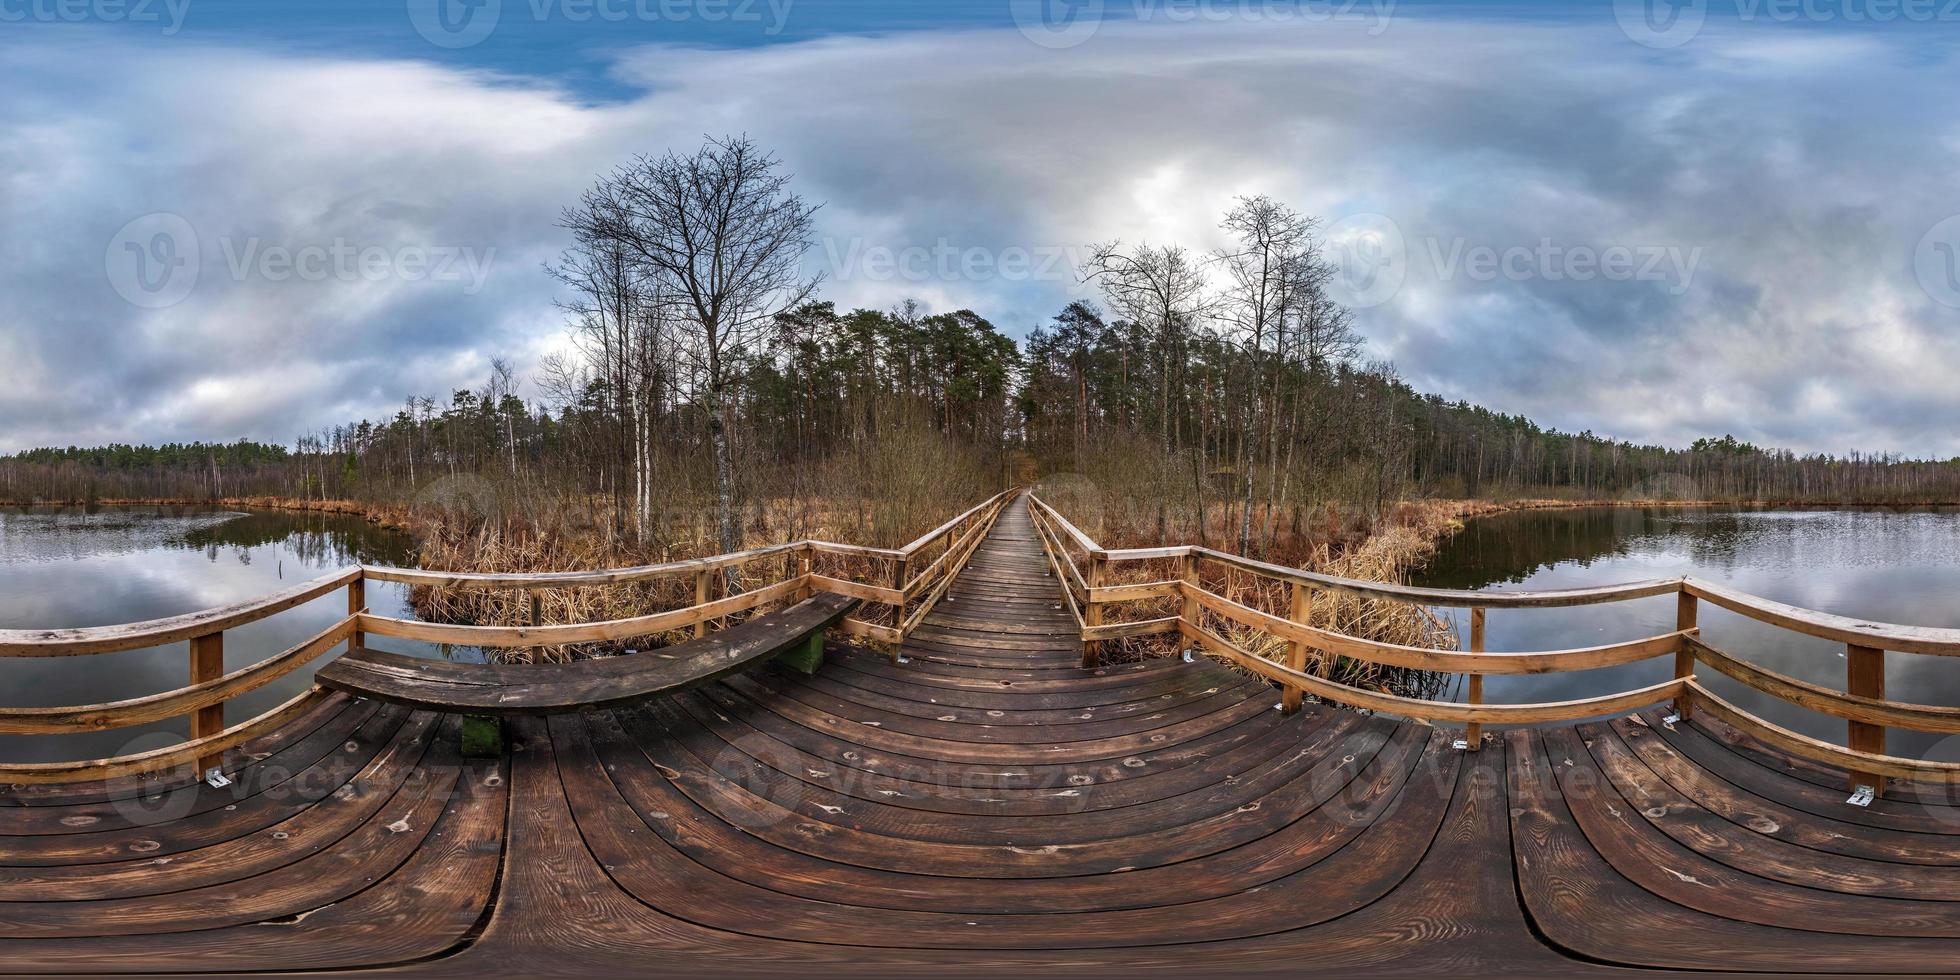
x,y
222,225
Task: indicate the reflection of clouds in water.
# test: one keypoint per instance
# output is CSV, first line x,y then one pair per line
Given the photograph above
x,y
1882,566
304,540
74,569
43,534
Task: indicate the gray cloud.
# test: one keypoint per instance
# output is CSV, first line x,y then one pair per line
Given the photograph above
x,y
1793,165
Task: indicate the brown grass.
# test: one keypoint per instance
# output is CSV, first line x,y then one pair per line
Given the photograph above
x,y
1335,541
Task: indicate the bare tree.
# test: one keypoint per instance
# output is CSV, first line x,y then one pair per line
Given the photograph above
x,y
1274,247
717,240
1161,287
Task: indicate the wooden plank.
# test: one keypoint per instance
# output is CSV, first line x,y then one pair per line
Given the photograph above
x,y
857,590
163,759
1871,711
1134,592
1055,518
701,583
1299,610
992,806
537,636
1092,614
357,604
1841,629
1119,631
1473,733
1447,597
173,629
1864,677
547,688
177,703
930,536
1447,661
1687,612
1434,711
207,665
564,580
1820,751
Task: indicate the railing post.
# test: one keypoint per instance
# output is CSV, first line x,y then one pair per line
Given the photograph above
x,y
357,601
1864,676
1301,612
208,664
1091,610
804,562
1473,733
1189,612
900,572
701,599
1687,609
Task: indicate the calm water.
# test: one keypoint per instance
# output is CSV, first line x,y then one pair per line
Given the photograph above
x,y
68,568
1890,566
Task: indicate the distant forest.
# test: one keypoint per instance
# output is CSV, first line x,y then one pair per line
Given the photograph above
x,y
1222,391
838,403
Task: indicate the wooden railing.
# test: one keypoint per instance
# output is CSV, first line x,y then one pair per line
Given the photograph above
x,y
1086,572
914,578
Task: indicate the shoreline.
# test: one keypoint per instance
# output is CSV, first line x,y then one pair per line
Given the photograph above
x,y
394,517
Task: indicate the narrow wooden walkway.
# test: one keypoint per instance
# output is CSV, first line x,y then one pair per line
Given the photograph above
x,y
989,804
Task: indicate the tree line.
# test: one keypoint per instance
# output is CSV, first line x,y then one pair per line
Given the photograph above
x,y
1224,395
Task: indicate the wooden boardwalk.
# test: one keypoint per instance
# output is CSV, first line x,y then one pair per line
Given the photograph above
x,y
989,804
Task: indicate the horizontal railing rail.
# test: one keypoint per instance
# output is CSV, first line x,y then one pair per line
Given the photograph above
x,y
937,557
1086,582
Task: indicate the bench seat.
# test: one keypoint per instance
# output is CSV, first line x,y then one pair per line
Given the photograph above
x,y
541,689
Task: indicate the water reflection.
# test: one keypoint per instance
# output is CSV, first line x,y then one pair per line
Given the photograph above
x,y
76,567
1885,565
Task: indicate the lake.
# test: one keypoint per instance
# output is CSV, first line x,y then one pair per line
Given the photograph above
x,y
73,567
70,567
1891,566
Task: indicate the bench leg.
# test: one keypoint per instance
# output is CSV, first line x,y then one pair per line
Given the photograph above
x,y
806,656
483,737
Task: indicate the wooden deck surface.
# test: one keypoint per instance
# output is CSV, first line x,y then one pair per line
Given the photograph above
x,y
988,805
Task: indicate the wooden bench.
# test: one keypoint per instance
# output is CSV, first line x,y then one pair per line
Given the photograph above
x,y
795,634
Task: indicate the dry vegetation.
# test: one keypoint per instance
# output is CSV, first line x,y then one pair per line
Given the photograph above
x,y
1331,539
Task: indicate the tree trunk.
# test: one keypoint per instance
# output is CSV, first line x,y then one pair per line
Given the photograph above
x,y
724,486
